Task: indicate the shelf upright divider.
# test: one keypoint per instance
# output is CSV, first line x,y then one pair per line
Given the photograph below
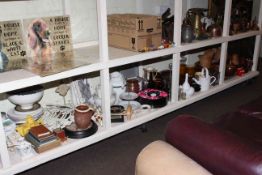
x,y
176,57
4,155
104,58
258,40
226,27
66,7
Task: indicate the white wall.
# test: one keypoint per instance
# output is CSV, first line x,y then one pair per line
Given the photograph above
x,y
154,7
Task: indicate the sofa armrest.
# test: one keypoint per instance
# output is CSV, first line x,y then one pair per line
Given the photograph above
x,y
160,158
217,150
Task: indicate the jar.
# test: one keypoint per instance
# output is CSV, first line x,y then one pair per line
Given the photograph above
x,y
82,116
132,85
187,34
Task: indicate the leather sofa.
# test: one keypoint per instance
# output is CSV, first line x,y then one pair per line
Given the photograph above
x,y
230,146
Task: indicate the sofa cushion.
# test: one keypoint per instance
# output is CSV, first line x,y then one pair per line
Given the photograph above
x,y
160,158
245,126
219,151
253,108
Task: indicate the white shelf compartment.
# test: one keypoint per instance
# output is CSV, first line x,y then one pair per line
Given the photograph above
x,y
143,117
13,80
20,78
75,144
71,145
213,41
120,57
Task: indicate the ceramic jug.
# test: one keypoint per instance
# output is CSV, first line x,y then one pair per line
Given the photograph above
x,y
186,88
82,116
205,80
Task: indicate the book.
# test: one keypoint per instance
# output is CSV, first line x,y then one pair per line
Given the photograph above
x,y
43,139
40,131
41,147
48,146
29,137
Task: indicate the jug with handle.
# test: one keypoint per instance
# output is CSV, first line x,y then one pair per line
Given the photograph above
x,y
186,88
205,80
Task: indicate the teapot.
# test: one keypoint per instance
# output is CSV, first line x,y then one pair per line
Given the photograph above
x,y
205,80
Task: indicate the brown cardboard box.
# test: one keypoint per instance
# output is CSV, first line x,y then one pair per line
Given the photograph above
x,y
134,31
136,43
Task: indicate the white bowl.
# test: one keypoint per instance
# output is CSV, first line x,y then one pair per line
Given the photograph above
x,y
26,98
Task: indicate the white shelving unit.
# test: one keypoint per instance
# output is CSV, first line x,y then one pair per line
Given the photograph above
x,y
102,58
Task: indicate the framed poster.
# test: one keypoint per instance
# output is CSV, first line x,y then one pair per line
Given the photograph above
x,y
12,47
49,45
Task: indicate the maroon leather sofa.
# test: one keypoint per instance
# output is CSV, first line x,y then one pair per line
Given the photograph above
x,y
230,146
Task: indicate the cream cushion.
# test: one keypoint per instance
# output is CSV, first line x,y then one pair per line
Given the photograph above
x,y
160,158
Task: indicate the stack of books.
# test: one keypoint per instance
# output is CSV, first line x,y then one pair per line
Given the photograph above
x,y
42,138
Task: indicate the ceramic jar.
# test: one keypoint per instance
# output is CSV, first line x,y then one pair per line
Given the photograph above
x,y
187,34
82,116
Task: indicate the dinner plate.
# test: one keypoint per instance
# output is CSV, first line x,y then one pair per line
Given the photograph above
x,y
20,117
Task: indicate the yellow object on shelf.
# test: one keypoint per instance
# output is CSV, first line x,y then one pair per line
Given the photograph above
x,y
23,129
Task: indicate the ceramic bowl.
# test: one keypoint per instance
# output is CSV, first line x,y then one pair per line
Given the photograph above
x,y
27,97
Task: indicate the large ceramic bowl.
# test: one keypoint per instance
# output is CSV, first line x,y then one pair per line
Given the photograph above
x,y
27,97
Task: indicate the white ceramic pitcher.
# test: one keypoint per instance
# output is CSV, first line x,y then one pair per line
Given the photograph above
x,y
205,80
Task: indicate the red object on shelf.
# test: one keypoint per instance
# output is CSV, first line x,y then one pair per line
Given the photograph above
x,y
240,71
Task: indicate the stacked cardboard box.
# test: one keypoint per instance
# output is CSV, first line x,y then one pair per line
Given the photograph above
x,y
134,31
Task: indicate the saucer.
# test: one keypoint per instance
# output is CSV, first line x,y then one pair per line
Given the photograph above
x,y
20,117
75,133
128,96
135,105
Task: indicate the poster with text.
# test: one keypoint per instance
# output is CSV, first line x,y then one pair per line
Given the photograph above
x,y
47,35
12,47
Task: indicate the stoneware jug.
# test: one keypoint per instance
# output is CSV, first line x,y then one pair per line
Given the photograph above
x,y
82,115
205,80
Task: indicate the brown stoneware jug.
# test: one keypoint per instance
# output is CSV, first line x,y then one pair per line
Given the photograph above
x,y
82,116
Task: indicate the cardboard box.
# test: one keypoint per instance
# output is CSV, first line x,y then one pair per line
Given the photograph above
x,y
135,43
134,31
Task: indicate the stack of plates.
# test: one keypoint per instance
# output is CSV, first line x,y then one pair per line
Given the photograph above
x,y
20,117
